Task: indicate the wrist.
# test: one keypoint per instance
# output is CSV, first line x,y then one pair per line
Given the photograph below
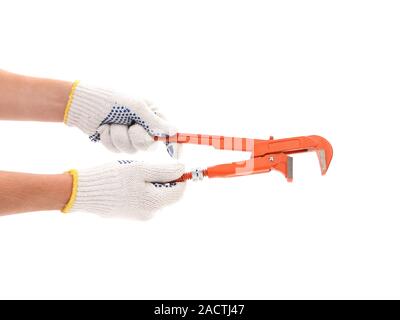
x,y
24,192
73,187
99,190
63,185
47,191
86,107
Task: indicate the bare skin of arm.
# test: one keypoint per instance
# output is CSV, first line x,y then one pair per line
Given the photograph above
x,y
25,192
32,99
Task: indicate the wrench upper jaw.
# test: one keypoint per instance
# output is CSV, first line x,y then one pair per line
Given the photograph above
x,y
324,152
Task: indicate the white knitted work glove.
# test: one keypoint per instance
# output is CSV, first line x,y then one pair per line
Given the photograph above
x,y
125,188
122,124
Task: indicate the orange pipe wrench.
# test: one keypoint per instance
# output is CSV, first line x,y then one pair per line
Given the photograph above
x,y
266,155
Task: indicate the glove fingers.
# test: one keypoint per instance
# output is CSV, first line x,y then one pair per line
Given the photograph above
x,y
163,173
160,195
174,149
155,109
120,138
105,137
151,122
139,138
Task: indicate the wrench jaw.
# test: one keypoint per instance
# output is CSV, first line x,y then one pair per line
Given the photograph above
x,y
280,162
289,168
322,161
324,153
285,166
296,145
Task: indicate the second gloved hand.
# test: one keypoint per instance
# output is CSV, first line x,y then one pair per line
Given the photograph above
x,y
125,189
122,124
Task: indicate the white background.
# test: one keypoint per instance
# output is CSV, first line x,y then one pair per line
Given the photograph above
x,y
243,68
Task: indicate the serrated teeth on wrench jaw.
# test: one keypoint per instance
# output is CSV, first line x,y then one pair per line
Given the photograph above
x,y
322,160
290,169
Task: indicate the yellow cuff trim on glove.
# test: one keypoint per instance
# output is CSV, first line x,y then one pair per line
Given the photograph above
x,y
71,200
71,97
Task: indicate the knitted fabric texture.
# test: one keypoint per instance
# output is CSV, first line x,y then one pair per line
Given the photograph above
x,y
128,189
120,123
88,108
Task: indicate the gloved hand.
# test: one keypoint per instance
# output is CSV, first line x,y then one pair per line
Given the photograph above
x,y
120,123
125,188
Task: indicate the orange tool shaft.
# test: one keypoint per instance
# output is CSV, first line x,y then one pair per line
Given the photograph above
x,y
218,142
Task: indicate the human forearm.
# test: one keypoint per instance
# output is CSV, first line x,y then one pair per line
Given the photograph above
x,y
128,189
34,99
24,192
121,123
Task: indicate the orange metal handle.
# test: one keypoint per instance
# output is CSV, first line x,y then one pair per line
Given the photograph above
x,y
260,147
218,142
267,155
279,162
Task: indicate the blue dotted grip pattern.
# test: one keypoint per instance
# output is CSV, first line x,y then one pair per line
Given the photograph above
x,y
120,114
